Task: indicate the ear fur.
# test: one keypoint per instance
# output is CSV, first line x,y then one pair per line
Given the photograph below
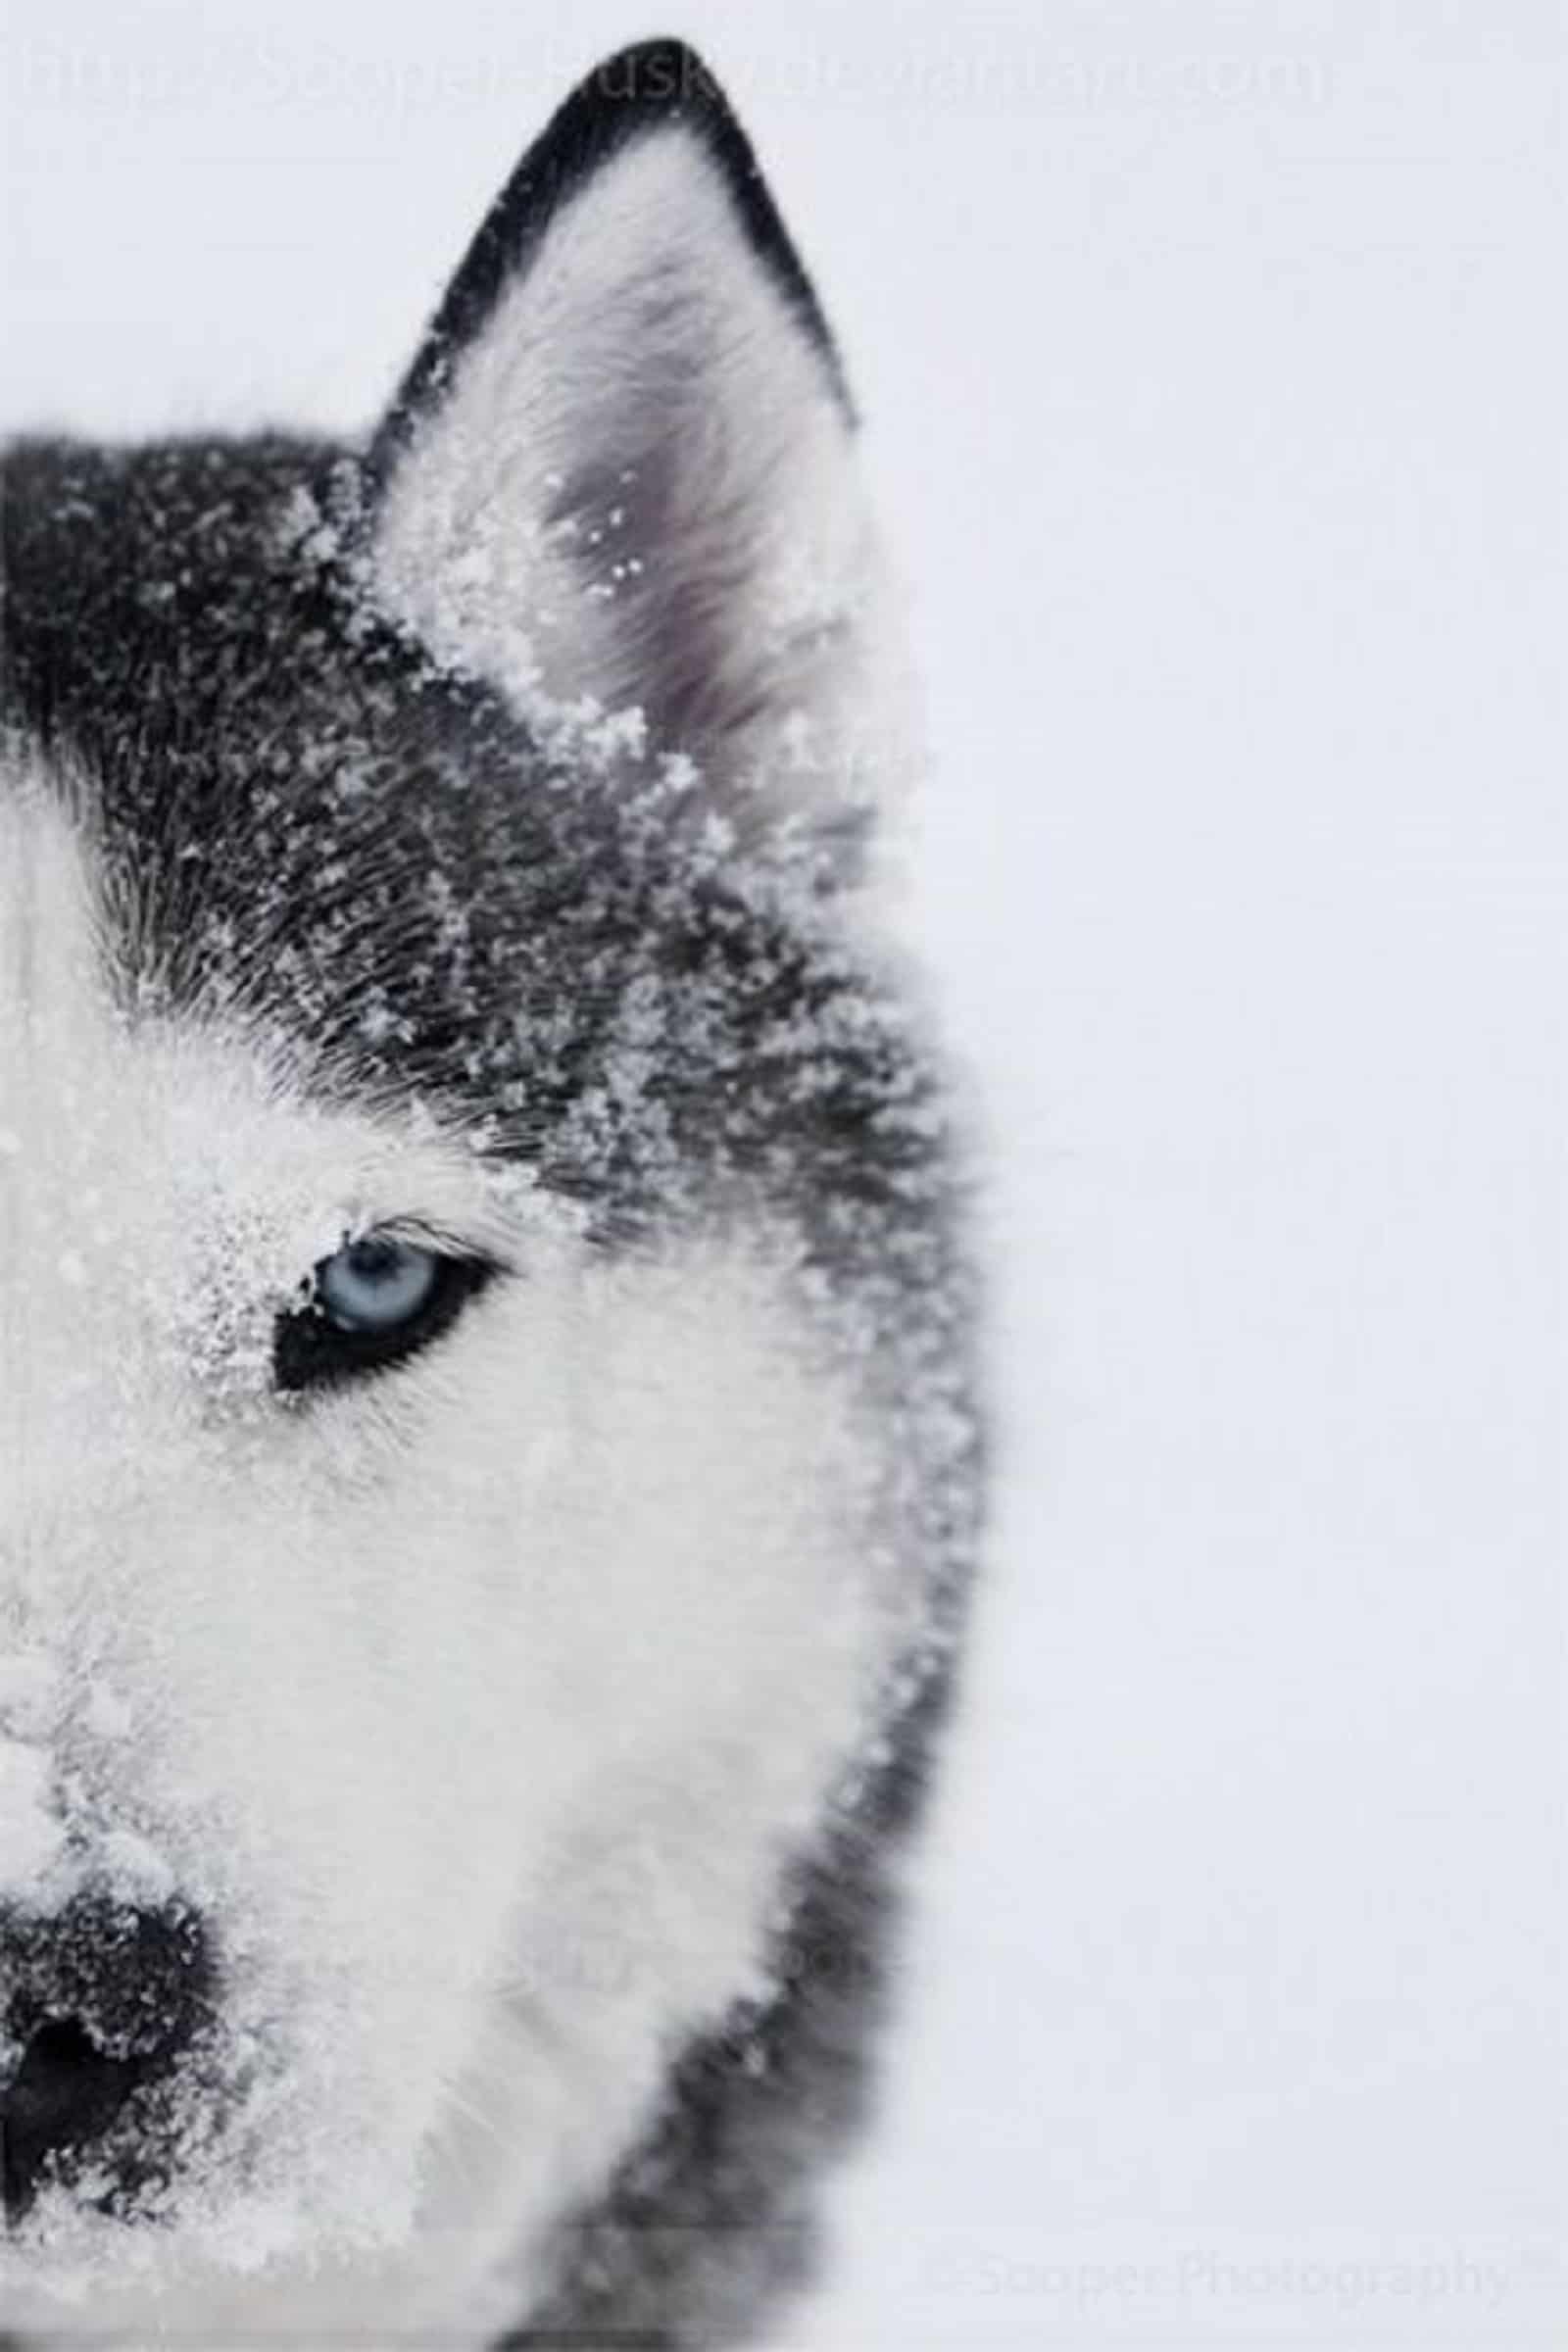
x,y
620,479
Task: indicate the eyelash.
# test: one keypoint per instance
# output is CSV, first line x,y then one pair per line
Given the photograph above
x,y
310,1351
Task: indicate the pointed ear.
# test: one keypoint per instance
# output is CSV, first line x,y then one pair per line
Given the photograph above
x,y
621,475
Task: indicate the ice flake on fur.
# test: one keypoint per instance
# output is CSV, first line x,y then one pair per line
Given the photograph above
x,y
31,1694
31,1832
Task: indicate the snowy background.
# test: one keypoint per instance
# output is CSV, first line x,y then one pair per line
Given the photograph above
x,y
1214,369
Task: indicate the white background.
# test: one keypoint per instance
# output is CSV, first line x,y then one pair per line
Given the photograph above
x,y
1215,384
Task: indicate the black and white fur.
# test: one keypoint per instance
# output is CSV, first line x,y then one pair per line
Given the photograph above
x,y
472,833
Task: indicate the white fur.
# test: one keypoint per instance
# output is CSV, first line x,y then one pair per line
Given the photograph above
x,y
476,1706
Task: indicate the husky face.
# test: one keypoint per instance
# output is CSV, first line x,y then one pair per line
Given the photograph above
x,y
484,1461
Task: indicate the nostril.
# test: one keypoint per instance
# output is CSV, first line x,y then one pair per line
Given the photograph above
x,y
64,2095
109,1996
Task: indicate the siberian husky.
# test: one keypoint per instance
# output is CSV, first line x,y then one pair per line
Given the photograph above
x,y
487,1467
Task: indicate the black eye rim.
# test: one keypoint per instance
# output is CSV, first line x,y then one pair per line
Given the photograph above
x,y
311,1350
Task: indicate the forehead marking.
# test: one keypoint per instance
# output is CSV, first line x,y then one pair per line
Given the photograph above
x,y
96,1102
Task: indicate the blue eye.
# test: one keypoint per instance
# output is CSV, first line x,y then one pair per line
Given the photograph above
x,y
374,1302
375,1283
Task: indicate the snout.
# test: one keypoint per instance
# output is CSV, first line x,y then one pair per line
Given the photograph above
x,y
99,2003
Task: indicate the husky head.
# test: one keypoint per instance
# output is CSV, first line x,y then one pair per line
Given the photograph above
x,y
483,1459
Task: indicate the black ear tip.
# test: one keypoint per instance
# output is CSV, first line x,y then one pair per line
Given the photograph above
x,y
645,85
653,83
661,72
666,81
649,85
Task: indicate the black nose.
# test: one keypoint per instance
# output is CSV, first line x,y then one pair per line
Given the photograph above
x,y
103,1999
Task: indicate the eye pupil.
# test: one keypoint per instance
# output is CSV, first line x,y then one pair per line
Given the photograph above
x,y
374,1256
